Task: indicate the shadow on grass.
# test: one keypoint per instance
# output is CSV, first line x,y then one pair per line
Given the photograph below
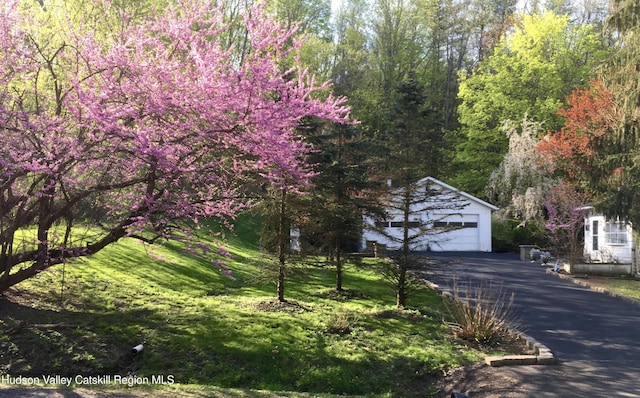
x,y
122,297
233,348
36,342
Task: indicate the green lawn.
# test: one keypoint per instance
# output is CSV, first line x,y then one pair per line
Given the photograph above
x,y
624,285
212,333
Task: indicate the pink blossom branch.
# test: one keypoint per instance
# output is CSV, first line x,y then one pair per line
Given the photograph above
x,y
155,124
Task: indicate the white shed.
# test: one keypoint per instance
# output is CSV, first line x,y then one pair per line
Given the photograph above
x,y
607,241
449,220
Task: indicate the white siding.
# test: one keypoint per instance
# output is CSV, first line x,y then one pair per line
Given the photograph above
x,y
463,237
472,226
607,241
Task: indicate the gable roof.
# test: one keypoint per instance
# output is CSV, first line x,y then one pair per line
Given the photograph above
x,y
457,191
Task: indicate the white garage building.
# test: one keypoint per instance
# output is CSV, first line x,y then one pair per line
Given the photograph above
x,y
442,218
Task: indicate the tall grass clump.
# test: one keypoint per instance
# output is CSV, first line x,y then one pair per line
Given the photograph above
x,y
480,312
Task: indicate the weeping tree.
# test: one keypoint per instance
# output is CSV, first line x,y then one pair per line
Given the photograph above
x,y
532,70
520,183
519,186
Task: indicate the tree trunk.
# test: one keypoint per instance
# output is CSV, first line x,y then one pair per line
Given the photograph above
x,y
282,245
635,236
338,271
401,298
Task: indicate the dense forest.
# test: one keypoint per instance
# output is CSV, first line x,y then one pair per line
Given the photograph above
x,y
530,106
516,103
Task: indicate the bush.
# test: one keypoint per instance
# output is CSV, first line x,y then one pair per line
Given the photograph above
x,y
480,313
341,323
508,234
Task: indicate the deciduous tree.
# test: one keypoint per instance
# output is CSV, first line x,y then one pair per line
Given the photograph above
x,y
521,182
137,132
565,219
530,72
571,151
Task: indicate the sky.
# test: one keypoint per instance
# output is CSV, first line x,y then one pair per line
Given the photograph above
x,y
335,4
522,5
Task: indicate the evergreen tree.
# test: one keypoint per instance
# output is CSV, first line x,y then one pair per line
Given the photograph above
x,y
615,174
340,195
413,152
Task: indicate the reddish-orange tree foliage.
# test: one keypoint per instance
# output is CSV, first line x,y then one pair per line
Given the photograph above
x,y
589,114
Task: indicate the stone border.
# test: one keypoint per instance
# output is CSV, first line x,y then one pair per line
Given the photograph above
x,y
584,283
542,354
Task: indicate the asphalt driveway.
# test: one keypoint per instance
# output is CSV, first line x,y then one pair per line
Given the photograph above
x,y
594,337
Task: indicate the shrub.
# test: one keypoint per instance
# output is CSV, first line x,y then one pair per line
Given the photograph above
x,y
481,312
508,234
341,323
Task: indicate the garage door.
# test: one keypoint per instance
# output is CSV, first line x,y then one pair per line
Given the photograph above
x,y
463,236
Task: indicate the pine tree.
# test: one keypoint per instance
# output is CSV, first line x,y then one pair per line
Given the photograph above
x,y
615,175
413,150
340,194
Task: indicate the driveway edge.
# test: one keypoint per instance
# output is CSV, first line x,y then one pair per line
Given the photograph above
x,y
588,285
542,354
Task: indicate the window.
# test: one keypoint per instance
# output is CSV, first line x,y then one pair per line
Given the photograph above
x,y
594,246
615,233
400,224
382,224
455,224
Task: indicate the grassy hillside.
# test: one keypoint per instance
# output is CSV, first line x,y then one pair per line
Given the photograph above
x,y
204,328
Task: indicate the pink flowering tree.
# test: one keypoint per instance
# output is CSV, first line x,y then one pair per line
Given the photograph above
x,y
142,131
565,220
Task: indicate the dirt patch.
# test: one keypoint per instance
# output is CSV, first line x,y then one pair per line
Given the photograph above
x,y
509,343
484,381
280,306
341,295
